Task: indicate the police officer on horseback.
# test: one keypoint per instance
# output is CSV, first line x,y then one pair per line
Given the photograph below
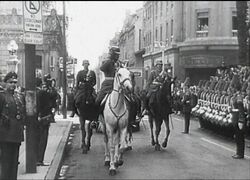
x,y
86,80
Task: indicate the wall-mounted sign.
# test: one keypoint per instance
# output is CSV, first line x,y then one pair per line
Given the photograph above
x,y
33,38
200,61
32,13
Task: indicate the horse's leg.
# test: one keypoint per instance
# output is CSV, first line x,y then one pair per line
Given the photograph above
x,y
106,147
117,147
166,121
123,145
112,169
128,138
150,120
83,146
89,135
158,123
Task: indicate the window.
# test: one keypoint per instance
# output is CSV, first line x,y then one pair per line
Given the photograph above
x,y
202,24
139,38
166,30
156,34
156,9
161,8
234,24
51,61
161,33
150,36
172,28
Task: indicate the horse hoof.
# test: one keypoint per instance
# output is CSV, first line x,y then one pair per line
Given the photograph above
x,y
157,147
152,143
129,148
84,151
107,163
112,172
88,147
164,144
119,163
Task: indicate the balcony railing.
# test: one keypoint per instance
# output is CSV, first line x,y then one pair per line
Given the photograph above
x,y
201,33
234,33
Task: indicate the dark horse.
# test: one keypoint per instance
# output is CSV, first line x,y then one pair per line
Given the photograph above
x,y
159,111
86,108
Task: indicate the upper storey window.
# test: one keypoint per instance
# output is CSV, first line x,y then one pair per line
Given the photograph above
x,y
202,24
234,24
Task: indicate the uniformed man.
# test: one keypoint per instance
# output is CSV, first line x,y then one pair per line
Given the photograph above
x,y
186,108
239,119
108,68
153,82
45,111
12,115
83,78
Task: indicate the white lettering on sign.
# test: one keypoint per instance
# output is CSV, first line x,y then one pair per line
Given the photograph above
x,y
33,38
32,12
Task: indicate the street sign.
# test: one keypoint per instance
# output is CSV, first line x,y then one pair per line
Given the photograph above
x,y
32,12
33,38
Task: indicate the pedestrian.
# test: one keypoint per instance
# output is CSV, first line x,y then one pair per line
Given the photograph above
x,y
12,116
45,112
83,78
186,109
108,68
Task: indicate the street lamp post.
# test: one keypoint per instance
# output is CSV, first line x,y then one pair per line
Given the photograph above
x,y
12,61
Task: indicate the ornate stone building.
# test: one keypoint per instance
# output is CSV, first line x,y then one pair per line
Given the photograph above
x,y
47,54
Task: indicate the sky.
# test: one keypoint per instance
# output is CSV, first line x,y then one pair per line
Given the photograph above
x,y
92,25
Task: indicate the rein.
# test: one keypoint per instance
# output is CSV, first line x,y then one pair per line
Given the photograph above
x,y
119,91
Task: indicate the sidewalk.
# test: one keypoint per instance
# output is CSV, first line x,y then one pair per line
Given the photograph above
x,y
58,136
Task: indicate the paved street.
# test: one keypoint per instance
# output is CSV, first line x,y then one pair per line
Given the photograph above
x,y
198,155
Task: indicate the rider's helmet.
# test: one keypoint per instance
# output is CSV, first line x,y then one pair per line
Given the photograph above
x,y
114,50
47,78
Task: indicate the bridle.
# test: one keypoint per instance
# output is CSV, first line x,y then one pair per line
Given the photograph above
x,y
120,91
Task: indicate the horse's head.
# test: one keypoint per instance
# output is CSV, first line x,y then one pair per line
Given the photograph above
x,y
123,80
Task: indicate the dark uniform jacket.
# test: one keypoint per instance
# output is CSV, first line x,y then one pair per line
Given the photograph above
x,y
153,75
187,103
84,76
86,80
12,115
45,101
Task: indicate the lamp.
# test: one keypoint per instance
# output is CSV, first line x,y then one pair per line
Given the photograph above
x,y
12,61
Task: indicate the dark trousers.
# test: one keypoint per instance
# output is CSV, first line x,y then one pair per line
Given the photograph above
x,y
9,153
186,121
240,141
42,140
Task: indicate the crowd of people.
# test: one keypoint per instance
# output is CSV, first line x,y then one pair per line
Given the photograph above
x,y
222,103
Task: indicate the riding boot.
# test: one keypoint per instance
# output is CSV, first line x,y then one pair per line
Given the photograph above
x,y
74,111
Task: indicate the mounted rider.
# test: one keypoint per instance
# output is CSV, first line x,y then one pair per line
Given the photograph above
x,y
85,82
108,67
153,81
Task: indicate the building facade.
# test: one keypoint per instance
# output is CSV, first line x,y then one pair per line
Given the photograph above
x,y
47,54
196,36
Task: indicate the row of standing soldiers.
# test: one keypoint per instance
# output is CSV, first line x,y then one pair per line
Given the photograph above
x,y
218,102
13,120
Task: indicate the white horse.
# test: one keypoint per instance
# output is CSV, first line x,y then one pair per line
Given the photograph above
x,y
116,120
